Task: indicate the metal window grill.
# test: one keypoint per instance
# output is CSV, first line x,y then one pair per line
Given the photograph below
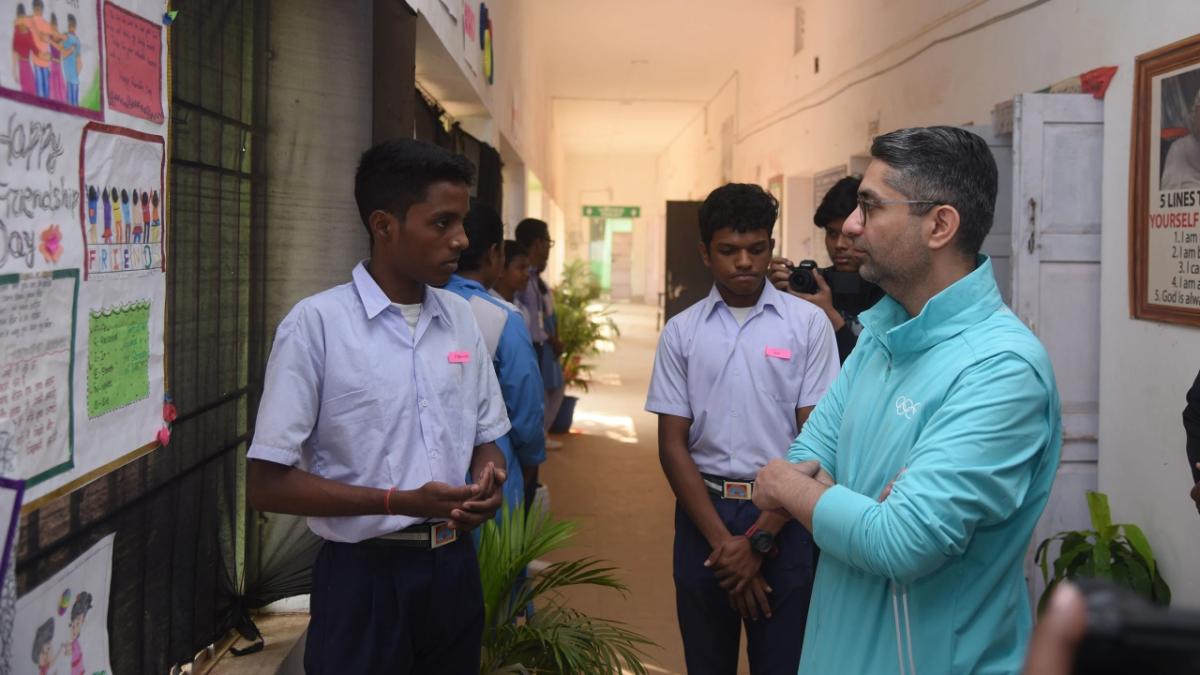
x,y
179,511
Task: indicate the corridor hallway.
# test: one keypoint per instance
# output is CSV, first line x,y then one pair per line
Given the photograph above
x,y
607,478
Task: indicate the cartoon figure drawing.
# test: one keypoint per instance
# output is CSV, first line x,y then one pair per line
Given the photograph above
x,y
107,212
145,216
92,197
154,218
58,86
43,34
23,46
46,62
71,60
83,604
116,212
43,654
137,218
125,214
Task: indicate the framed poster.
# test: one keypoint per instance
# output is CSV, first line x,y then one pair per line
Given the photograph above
x,y
1164,191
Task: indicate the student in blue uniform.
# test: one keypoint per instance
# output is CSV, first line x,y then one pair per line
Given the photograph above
x,y
507,340
735,377
379,399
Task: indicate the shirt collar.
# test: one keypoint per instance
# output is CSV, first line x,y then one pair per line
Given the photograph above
x,y
770,297
375,301
459,281
956,308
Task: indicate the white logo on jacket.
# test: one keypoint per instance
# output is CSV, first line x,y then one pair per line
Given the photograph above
x,y
906,407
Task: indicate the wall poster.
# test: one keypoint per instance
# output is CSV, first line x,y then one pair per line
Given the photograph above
x,y
84,105
1164,192
62,625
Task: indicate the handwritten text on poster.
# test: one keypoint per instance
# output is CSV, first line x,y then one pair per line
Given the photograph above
x,y
118,357
133,47
37,330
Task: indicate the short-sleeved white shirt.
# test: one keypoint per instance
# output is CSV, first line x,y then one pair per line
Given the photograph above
x,y
353,395
741,385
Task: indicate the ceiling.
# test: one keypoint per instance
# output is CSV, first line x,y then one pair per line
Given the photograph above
x,y
626,76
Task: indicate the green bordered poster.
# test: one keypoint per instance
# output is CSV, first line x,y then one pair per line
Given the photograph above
x,y
37,329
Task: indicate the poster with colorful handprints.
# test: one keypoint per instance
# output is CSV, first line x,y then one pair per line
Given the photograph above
x,y
62,625
54,58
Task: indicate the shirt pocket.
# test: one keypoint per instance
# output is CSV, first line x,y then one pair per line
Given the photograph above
x,y
450,387
779,380
349,428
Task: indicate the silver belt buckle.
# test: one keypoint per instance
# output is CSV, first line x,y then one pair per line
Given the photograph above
x,y
740,490
441,534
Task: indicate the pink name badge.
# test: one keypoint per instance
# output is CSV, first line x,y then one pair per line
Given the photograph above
x,y
459,357
779,353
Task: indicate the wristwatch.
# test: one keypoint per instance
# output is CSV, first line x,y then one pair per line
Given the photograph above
x,y
760,540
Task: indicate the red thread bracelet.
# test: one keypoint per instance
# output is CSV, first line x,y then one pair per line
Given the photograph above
x,y
387,501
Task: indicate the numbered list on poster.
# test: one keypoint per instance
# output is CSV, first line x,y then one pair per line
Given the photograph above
x,y
1174,249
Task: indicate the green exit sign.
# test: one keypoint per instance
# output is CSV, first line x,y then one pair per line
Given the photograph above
x,y
612,212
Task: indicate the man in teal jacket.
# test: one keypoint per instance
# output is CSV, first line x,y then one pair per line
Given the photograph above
x,y
923,471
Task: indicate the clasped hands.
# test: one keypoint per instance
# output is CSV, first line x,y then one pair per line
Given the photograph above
x,y
775,481
736,565
468,506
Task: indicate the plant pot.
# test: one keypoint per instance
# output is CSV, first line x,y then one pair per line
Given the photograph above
x,y
566,413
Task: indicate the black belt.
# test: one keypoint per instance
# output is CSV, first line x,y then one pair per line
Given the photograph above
x,y
725,488
422,535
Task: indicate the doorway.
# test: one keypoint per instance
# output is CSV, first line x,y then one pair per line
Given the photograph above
x,y
687,279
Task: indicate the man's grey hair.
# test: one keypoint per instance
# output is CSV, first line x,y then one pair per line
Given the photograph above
x,y
945,165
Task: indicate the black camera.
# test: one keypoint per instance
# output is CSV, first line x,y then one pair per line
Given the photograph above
x,y
1127,634
801,279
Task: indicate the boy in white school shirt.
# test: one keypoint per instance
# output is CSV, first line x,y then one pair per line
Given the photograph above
x,y
735,377
361,428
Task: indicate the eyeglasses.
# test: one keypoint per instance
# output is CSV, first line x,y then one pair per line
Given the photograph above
x,y
865,205
549,243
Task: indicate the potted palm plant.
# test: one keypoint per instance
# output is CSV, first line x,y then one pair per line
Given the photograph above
x,y
583,323
553,638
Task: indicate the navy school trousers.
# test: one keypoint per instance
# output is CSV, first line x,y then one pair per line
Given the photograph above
x,y
711,628
383,607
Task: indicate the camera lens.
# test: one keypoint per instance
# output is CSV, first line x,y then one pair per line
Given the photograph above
x,y
801,279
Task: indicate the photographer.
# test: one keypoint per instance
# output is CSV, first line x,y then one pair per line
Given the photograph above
x,y
838,290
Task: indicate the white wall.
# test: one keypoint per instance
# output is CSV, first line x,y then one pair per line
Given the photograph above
x,y
318,123
1146,368
516,100
620,181
792,121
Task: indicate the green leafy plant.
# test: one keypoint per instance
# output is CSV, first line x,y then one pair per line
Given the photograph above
x,y
1119,553
555,638
583,322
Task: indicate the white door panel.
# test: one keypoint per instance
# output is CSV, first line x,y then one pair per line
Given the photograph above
x,y
1057,163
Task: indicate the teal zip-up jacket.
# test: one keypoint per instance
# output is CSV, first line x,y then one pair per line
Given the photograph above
x,y
961,398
